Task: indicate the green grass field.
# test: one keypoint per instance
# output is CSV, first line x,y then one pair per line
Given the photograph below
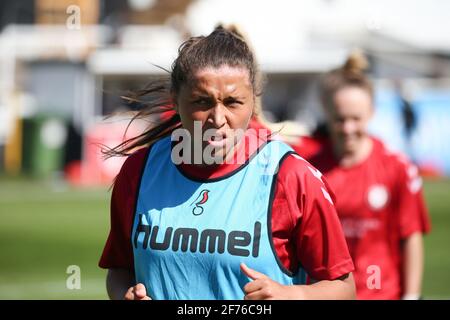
x,y
45,228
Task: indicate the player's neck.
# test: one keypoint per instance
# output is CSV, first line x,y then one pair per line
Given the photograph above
x,y
350,158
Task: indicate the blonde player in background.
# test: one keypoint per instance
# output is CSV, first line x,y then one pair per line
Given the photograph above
x,y
379,193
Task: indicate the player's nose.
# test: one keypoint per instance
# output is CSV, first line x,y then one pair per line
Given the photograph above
x,y
348,127
217,117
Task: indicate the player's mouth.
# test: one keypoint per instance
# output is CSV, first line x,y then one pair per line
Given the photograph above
x,y
350,136
218,140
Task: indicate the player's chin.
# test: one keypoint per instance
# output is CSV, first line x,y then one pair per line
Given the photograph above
x,y
219,154
214,155
223,154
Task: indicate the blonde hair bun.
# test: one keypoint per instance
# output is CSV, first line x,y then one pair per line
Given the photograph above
x,y
356,62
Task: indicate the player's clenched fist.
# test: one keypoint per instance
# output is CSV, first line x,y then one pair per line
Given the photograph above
x,y
138,292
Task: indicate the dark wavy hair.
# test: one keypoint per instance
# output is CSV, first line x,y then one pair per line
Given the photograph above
x,y
224,46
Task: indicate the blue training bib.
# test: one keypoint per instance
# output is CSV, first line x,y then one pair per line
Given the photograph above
x,y
189,237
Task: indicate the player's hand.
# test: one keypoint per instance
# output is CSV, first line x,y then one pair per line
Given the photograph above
x,y
138,292
262,287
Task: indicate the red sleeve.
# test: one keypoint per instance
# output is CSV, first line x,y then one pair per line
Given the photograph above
x,y
320,245
118,252
413,214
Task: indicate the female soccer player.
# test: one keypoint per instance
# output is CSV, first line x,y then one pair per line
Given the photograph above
x,y
258,222
379,195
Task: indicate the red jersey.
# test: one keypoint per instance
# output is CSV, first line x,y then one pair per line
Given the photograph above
x,y
305,227
379,202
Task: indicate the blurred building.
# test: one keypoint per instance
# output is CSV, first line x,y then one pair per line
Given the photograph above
x,y
65,64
